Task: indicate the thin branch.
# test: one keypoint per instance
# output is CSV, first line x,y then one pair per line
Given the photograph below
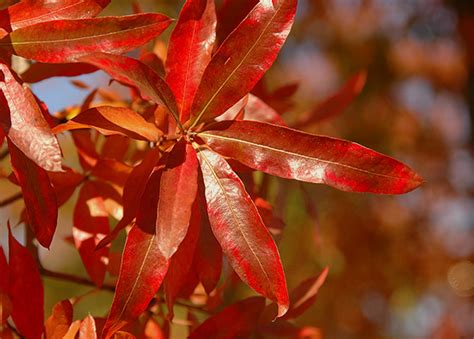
x,y
11,199
72,278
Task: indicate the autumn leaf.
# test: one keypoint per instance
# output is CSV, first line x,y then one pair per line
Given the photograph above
x,y
61,41
243,58
240,231
22,121
60,320
318,159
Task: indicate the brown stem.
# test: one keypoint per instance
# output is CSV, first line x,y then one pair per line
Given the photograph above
x,y
72,278
11,199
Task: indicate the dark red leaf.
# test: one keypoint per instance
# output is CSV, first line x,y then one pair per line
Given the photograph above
x,y
132,193
235,321
29,12
141,274
176,197
22,121
65,183
60,320
336,103
296,155
26,290
181,262
189,51
38,194
5,277
240,231
243,58
135,73
62,41
230,14
110,120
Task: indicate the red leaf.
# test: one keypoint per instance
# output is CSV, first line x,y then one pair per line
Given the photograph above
x,y
208,254
38,194
181,262
235,321
22,121
336,103
318,159
26,290
142,271
132,193
135,73
176,197
304,295
87,329
58,323
243,58
39,71
29,12
5,302
62,41
189,51
239,229
112,170
91,223
110,120
65,183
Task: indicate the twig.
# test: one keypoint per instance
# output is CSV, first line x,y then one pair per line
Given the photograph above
x,y
72,278
11,199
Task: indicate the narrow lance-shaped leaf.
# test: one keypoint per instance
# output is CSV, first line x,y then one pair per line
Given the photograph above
x,y
26,290
230,14
29,12
22,121
238,320
88,328
38,194
110,120
176,197
143,266
189,51
5,301
239,229
41,71
243,58
61,41
135,73
296,155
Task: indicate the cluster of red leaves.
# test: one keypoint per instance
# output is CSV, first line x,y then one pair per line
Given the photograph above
x,y
180,195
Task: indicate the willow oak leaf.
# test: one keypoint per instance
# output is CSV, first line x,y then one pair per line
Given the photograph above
x,y
177,194
189,51
22,121
143,265
26,290
30,12
243,58
62,41
109,120
135,73
58,323
238,227
292,154
38,194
